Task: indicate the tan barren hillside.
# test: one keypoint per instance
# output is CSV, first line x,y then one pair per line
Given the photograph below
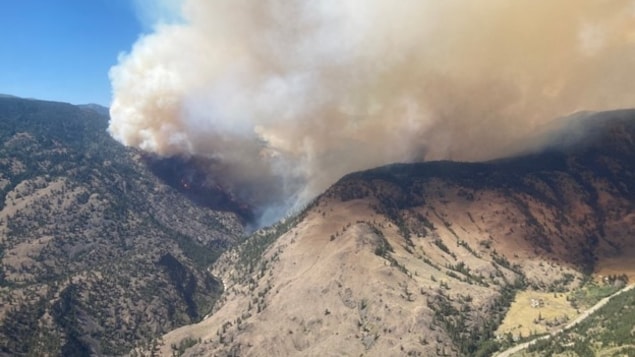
x,y
425,259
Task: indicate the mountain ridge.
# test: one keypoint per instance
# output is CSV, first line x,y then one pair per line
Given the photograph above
x,y
101,254
444,245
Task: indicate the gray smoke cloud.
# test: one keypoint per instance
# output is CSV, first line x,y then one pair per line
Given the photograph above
x,y
289,95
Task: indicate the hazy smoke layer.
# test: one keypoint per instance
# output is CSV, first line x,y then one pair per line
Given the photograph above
x,y
289,95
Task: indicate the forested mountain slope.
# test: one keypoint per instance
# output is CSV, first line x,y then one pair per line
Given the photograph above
x,y
98,255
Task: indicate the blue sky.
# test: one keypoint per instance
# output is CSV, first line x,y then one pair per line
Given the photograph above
x,y
62,49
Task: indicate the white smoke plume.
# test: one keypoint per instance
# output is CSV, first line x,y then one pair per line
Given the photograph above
x,y
289,95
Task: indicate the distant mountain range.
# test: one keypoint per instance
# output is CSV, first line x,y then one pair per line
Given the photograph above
x,y
105,253
97,108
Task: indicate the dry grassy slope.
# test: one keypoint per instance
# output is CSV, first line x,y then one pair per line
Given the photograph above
x,y
462,238
97,254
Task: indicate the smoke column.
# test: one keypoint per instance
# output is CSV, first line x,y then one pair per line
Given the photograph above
x,y
286,96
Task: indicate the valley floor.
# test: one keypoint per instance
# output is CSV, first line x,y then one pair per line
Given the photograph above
x,y
514,351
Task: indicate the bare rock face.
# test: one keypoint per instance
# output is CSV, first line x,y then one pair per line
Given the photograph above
x,y
424,259
98,254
